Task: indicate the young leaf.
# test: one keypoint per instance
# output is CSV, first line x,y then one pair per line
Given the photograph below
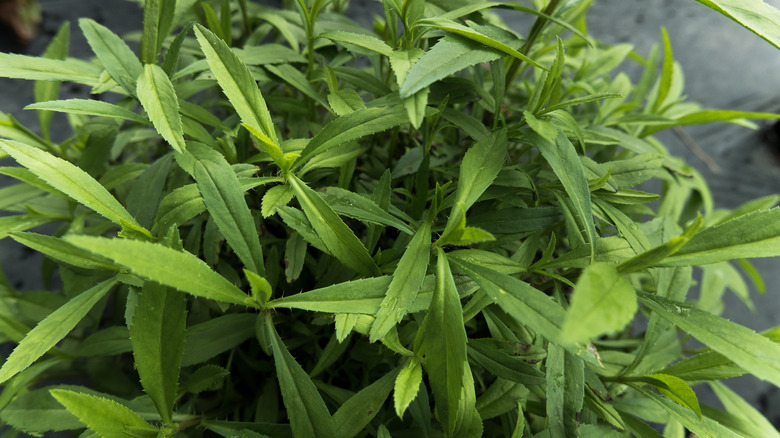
x,y
308,414
89,107
561,155
158,18
156,93
603,302
63,251
449,55
354,414
369,42
676,389
157,337
119,61
237,83
52,330
152,261
71,180
224,199
751,351
444,338
407,385
407,279
335,234
353,126
756,15
755,234
103,416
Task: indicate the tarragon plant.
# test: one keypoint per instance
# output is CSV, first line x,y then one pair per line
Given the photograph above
x,y
275,222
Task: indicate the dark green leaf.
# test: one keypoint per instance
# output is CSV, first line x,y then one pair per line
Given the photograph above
x,y
119,61
216,336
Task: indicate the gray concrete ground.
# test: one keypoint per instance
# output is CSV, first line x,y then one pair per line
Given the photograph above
x,y
725,67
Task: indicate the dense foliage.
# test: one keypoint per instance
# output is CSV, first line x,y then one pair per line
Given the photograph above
x,y
275,222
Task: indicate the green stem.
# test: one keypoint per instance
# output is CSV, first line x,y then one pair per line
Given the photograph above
x,y
536,30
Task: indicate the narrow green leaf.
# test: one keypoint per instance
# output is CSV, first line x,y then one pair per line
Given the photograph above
x,y
294,77
224,199
63,251
21,222
526,304
473,35
89,107
561,155
756,15
158,18
502,365
103,416
756,234
667,71
237,83
359,296
449,55
356,206
15,66
354,415
50,90
119,61
152,261
444,337
603,302
353,126
156,93
71,180
751,351
335,234
407,280
157,336
205,378
369,42
407,385
146,192
736,405
52,330
707,365
704,427
676,389
309,417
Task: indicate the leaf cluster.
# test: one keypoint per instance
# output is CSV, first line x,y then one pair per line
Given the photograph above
x,y
278,223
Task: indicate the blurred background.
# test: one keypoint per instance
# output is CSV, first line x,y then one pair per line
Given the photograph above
x,y
725,67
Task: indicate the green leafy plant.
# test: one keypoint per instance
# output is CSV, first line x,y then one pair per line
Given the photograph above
x,y
279,223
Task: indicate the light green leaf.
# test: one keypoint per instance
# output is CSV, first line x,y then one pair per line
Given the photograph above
x,y
224,199
407,385
21,222
353,126
335,234
756,15
707,365
351,204
63,251
448,56
89,107
156,93
309,417
676,389
369,42
756,234
561,155
158,18
42,69
751,351
294,77
359,296
216,336
354,414
50,90
444,338
106,417
734,404
119,61
704,427
407,280
157,336
603,302
237,83
71,180
52,330
467,32
526,304
152,261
